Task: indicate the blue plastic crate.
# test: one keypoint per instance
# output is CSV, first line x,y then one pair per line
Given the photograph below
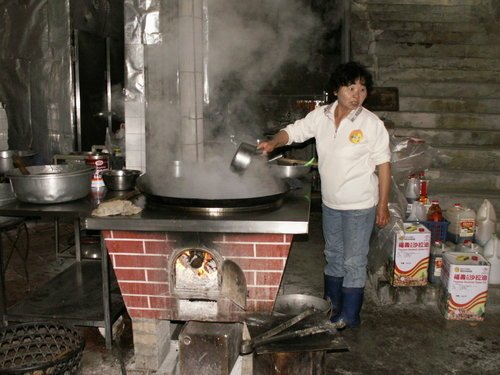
x,y
439,229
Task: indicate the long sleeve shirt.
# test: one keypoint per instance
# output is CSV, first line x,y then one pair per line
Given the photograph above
x,y
347,155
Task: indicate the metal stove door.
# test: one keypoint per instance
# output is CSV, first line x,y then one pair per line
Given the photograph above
x,y
234,286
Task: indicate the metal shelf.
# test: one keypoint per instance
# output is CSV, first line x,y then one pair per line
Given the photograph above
x,y
73,296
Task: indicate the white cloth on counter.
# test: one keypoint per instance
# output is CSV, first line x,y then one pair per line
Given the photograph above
x,y
116,207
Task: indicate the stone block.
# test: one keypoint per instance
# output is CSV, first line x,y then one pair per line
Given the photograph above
x,y
151,342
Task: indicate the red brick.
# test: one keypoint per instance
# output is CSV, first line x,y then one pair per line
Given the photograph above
x,y
167,314
254,237
136,261
250,264
289,238
162,302
251,306
132,274
139,235
136,301
106,234
124,247
157,275
158,247
260,306
151,289
268,278
144,314
231,249
266,250
266,293
250,277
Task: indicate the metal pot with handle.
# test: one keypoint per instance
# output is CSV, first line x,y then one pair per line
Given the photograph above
x,y
7,159
243,156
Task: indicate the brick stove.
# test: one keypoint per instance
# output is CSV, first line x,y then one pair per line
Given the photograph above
x,y
144,250
144,264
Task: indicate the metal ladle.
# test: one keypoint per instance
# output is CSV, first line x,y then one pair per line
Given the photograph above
x,y
19,164
244,154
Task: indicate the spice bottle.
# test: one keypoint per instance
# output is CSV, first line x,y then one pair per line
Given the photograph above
x,y
424,185
435,213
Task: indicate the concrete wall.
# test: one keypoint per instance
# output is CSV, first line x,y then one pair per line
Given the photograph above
x,y
444,57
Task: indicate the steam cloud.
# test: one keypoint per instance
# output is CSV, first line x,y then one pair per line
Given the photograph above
x,y
248,43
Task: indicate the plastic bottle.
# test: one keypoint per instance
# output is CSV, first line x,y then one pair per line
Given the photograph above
x,y
462,223
486,222
412,189
435,213
492,255
436,261
417,212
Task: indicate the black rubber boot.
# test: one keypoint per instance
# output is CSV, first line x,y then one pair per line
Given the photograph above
x,y
352,300
333,293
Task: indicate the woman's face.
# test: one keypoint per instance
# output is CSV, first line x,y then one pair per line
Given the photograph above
x,y
352,96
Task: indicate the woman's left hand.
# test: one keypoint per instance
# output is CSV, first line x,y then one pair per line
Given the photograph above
x,y
383,216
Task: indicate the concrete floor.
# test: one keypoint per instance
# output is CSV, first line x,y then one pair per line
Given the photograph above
x,y
393,338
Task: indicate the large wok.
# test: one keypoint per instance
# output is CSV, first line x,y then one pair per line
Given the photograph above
x,y
210,186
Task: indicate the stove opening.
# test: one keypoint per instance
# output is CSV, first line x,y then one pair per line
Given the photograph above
x,y
196,273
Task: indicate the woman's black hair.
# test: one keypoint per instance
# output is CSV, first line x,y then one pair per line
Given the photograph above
x,y
347,74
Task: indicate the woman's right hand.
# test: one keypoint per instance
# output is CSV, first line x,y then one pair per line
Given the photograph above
x,y
280,139
266,146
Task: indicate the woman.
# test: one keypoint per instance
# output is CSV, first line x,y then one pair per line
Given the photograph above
x,y
352,143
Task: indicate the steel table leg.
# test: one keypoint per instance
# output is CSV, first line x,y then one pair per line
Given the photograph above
x,y
106,294
3,302
56,235
78,249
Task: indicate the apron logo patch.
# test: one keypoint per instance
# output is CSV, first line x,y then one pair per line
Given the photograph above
x,y
356,136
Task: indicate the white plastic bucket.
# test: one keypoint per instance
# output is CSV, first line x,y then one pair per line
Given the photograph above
x,y
486,222
492,254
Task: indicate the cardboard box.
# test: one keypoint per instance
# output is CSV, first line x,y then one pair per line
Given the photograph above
x,y
409,262
465,286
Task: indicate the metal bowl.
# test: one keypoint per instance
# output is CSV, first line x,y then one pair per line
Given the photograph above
x,y
284,170
120,179
51,183
7,162
294,304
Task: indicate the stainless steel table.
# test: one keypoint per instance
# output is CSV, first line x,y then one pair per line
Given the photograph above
x,y
291,217
82,294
